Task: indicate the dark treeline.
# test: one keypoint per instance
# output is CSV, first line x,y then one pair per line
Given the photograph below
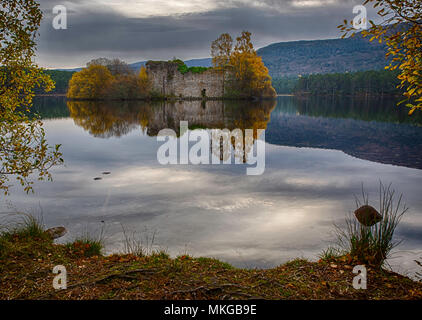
x,y
360,83
61,80
356,83
285,85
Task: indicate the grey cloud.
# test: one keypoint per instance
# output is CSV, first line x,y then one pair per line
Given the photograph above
x,y
94,32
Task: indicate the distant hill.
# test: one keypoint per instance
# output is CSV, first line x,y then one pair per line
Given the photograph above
x,y
68,70
310,57
323,56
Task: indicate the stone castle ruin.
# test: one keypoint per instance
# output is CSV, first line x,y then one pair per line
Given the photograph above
x,y
168,81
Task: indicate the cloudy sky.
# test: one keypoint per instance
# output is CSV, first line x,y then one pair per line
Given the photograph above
x,y
136,30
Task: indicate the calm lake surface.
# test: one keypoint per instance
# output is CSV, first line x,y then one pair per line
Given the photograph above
x,y
319,152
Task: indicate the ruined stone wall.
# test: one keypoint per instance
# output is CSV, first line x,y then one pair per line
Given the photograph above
x,y
168,81
206,114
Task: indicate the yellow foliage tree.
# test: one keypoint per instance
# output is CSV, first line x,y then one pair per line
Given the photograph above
x,y
401,30
221,50
23,147
144,83
105,79
250,72
90,83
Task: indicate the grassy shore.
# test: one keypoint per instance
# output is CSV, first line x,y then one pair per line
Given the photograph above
x,y
27,258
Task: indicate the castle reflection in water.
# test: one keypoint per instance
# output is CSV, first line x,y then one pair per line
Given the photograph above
x,y
371,129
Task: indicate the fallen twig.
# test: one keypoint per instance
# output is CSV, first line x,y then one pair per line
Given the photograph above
x,y
124,275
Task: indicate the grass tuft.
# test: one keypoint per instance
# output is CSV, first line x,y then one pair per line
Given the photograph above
x,y
139,244
372,245
330,253
161,254
86,247
29,227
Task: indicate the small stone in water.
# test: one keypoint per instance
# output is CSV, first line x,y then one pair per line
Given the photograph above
x,y
98,178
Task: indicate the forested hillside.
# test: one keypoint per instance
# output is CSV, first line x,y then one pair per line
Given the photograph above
x,y
323,56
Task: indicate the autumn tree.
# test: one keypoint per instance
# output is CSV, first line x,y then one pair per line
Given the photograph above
x,y
244,43
129,86
143,81
90,83
401,31
252,78
105,79
221,50
23,147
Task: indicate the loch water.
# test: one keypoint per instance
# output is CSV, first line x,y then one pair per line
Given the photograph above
x,y
319,151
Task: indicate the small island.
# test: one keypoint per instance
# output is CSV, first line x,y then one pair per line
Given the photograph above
x,y
237,73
